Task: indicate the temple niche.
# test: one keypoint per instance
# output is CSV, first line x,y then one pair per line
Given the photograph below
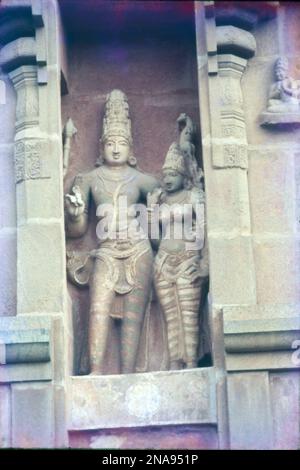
x,y
197,103
149,52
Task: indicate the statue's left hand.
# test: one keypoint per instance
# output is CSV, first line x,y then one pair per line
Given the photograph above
x,y
154,197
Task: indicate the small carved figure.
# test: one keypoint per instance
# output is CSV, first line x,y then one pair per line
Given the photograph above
x,y
283,107
69,132
120,281
186,142
180,266
285,93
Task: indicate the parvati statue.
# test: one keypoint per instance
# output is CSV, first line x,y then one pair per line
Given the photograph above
x,y
181,264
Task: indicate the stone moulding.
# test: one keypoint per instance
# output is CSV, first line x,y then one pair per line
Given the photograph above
x,y
268,332
138,400
278,120
23,39
233,40
21,342
21,51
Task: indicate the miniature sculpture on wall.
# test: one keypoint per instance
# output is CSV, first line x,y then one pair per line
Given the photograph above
x,y
284,98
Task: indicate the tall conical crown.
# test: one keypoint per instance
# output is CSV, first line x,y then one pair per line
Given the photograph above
x,y
175,160
116,120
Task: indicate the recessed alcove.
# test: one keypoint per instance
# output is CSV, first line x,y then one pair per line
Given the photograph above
x,y
148,50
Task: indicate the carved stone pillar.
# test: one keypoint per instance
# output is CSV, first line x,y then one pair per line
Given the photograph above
x,y
35,381
257,337
233,131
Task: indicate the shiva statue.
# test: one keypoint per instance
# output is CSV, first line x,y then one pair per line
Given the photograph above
x,y
121,273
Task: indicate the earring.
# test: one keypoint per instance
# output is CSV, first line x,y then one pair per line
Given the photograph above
x,y
132,161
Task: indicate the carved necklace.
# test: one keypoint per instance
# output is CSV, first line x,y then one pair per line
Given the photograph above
x,y
115,175
106,179
178,198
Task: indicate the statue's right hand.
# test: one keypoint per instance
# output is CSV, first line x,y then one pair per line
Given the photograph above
x,y
74,203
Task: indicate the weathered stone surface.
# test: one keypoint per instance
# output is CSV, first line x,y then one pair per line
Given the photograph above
x,y
251,425
267,38
7,187
227,202
5,416
42,292
271,168
289,18
277,269
22,51
60,417
32,416
231,270
263,361
157,398
285,396
255,318
297,189
166,437
26,372
25,341
260,328
7,109
8,274
282,121
29,161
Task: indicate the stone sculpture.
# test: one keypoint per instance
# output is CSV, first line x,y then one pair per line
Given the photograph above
x,y
120,280
284,97
186,141
181,264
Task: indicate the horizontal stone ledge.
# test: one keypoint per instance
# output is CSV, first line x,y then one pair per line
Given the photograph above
x,y
275,360
20,52
26,323
21,342
138,400
25,353
261,341
29,372
282,121
241,318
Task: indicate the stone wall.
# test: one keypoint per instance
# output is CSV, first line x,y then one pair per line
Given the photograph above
x,y
249,398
